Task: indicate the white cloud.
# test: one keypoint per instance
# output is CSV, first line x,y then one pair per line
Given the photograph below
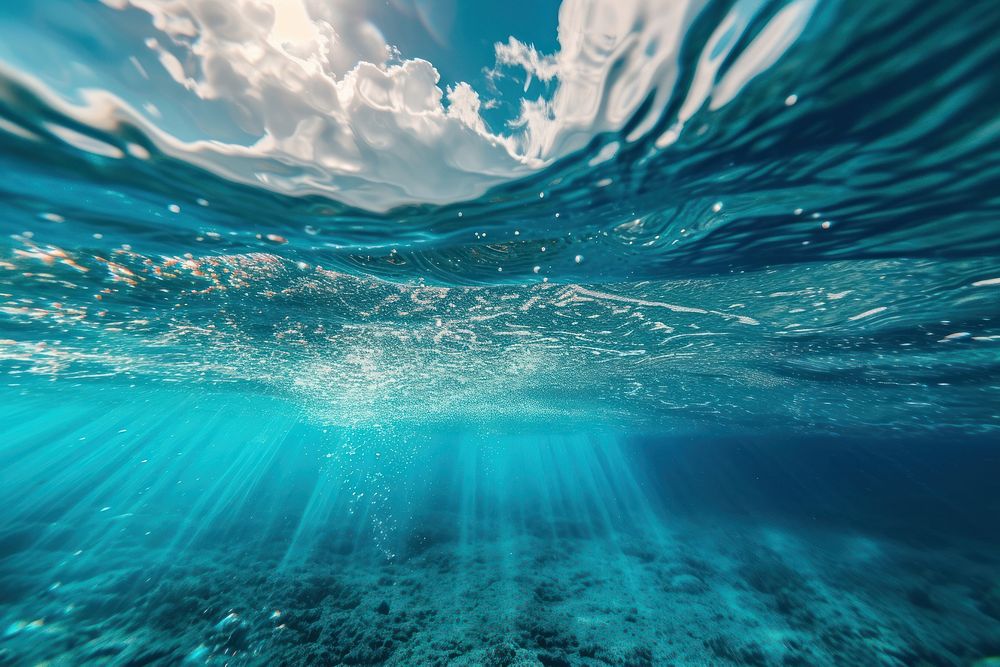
x,y
336,112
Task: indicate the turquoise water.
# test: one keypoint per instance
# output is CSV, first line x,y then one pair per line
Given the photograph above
x,y
632,333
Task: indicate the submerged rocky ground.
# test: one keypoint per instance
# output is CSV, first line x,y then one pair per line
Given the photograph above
x,y
552,594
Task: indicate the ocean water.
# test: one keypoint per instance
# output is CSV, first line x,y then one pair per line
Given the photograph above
x,y
648,332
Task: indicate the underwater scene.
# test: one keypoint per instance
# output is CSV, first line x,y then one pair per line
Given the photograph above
x,y
522,333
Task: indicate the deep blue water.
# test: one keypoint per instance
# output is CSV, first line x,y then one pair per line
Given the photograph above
x,y
708,374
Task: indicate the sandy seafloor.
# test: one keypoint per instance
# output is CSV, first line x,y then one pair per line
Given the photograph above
x,y
258,538
554,595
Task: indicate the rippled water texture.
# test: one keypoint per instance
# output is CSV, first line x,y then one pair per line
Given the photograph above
x,y
638,332
723,254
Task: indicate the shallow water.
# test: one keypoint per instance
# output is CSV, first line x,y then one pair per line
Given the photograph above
x,y
676,343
